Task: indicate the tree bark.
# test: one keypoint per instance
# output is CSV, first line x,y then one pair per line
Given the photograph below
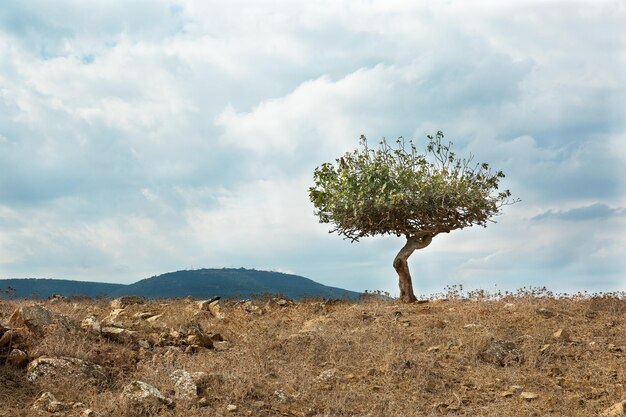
x,y
401,265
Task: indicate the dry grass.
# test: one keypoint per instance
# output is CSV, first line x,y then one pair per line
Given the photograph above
x,y
370,358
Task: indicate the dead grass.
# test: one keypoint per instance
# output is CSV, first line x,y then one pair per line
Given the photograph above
x,y
370,358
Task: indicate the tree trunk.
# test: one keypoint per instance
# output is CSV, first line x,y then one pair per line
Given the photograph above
x,y
402,266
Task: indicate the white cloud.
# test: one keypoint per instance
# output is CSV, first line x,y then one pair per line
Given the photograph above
x,y
136,139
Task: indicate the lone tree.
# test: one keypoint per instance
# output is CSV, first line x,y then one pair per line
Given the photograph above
x,y
396,190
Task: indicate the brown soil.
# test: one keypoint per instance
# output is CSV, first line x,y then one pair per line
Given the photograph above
x,y
466,356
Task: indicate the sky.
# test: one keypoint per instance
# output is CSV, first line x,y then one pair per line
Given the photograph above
x,y
148,136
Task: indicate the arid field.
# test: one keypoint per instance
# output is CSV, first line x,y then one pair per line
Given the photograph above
x,y
523,354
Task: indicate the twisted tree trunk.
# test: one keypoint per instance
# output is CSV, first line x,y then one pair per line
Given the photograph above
x,y
401,265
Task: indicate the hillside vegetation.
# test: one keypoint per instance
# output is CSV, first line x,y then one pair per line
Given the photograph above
x,y
528,354
224,282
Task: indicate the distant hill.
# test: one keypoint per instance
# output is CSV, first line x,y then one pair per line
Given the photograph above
x,y
200,283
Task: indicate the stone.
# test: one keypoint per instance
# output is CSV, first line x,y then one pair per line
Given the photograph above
x,y
615,410
42,402
8,338
52,368
89,413
545,312
249,306
281,302
527,395
327,375
511,391
204,304
231,407
154,318
118,334
17,358
212,306
562,335
510,307
144,315
125,301
114,316
56,406
140,391
500,353
280,396
36,318
55,298
214,309
144,344
48,402
203,402
91,324
185,387
198,337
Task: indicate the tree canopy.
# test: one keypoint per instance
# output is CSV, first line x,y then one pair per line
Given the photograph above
x,y
397,190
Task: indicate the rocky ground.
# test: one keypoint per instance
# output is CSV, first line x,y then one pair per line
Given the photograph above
x,y
528,354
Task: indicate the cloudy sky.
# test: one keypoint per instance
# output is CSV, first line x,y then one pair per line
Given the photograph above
x,y
140,137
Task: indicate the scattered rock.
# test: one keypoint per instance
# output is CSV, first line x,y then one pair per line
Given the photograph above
x,y
546,312
113,317
281,302
144,344
35,318
510,307
89,413
185,387
53,368
144,315
500,353
48,402
258,404
55,298
204,304
280,396
17,358
9,337
511,391
615,410
327,375
196,336
118,334
562,335
203,402
154,318
231,407
43,401
527,395
91,324
57,406
249,306
141,391
125,301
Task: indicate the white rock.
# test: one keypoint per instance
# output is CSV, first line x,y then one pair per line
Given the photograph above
x,y
126,300
185,387
92,324
54,368
140,391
